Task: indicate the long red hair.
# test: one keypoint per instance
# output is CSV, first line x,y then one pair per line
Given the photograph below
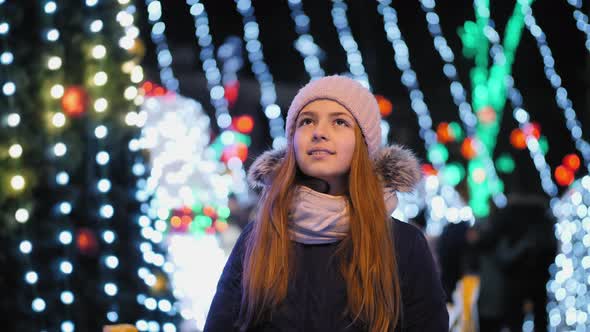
x,y
367,258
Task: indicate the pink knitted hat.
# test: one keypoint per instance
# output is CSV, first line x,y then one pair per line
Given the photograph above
x,y
357,99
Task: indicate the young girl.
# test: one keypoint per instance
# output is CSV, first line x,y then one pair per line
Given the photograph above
x,y
323,253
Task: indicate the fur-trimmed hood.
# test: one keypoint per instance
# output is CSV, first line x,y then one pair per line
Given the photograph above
x,y
397,167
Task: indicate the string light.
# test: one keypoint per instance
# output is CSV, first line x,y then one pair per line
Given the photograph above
x,y
532,143
354,58
305,45
435,191
568,301
458,93
450,71
53,53
561,94
158,37
581,20
268,95
209,64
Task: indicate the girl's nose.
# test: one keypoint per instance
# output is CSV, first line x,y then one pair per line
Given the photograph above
x,y
320,132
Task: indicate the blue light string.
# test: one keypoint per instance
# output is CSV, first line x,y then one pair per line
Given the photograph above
x,y
268,94
354,58
466,114
446,54
158,37
561,94
522,116
305,45
581,20
209,64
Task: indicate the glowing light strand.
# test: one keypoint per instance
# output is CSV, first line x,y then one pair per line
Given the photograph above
x,y
305,45
209,64
561,94
12,120
158,37
581,20
128,41
466,114
439,195
268,94
354,58
446,54
105,210
59,149
522,116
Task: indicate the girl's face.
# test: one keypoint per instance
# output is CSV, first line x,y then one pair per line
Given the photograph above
x,y
324,143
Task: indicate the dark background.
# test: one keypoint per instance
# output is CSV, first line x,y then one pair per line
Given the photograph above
x,y
277,34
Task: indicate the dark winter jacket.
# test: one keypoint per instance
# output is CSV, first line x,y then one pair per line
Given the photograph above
x,y
316,296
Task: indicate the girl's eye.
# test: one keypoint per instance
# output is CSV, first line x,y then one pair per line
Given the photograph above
x,y
304,122
341,122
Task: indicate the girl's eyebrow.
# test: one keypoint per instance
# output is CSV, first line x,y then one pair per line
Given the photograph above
x,y
332,114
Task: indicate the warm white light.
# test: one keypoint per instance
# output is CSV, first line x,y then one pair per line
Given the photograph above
x,y
126,42
13,119
57,91
67,297
131,118
50,7
125,19
96,26
101,131
58,119
130,93
54,63
101,78
31,277
15,151
100,105
110,289
60,149
137,74
99,51
38,304
66,267
9,88
22,215
52,35
17,182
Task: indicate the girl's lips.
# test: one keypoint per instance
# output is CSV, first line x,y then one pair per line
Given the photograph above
x,y
316,151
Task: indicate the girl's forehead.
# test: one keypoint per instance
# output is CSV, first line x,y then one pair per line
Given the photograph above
x,y
324,107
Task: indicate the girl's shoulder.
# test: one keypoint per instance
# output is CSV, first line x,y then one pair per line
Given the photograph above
x,y
410,243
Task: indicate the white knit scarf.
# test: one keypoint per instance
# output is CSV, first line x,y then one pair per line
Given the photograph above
x,y
318,218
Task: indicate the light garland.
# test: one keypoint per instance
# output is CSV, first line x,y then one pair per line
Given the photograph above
x,y
163,54
581,20
443,200
268,94
354,58
305,45
18,183
97,78
561,94
209,64
59,150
